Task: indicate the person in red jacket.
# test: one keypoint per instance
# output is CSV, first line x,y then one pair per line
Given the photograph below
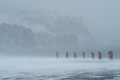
x,y
57,54
67,54
92,55
110,53
83,55
100,55
75,55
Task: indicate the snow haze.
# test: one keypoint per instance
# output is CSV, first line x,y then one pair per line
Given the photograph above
x,y
88,25
36,36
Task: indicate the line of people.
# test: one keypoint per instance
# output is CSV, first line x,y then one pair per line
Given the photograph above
x,y
110,53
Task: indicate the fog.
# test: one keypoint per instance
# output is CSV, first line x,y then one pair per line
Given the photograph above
x,y
42,26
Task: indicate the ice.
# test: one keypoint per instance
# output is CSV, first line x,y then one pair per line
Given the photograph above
x,y
34,68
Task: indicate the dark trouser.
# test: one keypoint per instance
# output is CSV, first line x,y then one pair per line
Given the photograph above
x,y
66,56
93,57
111,57
83,57
100,57
75,56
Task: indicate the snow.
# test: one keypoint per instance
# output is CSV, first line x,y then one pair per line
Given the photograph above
x,y
53,68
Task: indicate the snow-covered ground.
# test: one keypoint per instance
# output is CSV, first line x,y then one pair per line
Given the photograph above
x,y
37,68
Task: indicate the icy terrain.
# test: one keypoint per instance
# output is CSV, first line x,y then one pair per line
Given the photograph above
x,y
29,68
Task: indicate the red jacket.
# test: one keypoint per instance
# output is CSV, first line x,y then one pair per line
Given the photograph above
x,y
92,53
57,53
83,54
99,53
110,53
75,54
66,53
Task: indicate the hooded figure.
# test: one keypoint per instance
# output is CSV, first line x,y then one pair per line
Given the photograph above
x,y
110,53
67,54
75,55
83,55
92,55
100,55
57,54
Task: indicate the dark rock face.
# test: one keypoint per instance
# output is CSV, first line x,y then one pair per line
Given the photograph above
x,y
15,36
